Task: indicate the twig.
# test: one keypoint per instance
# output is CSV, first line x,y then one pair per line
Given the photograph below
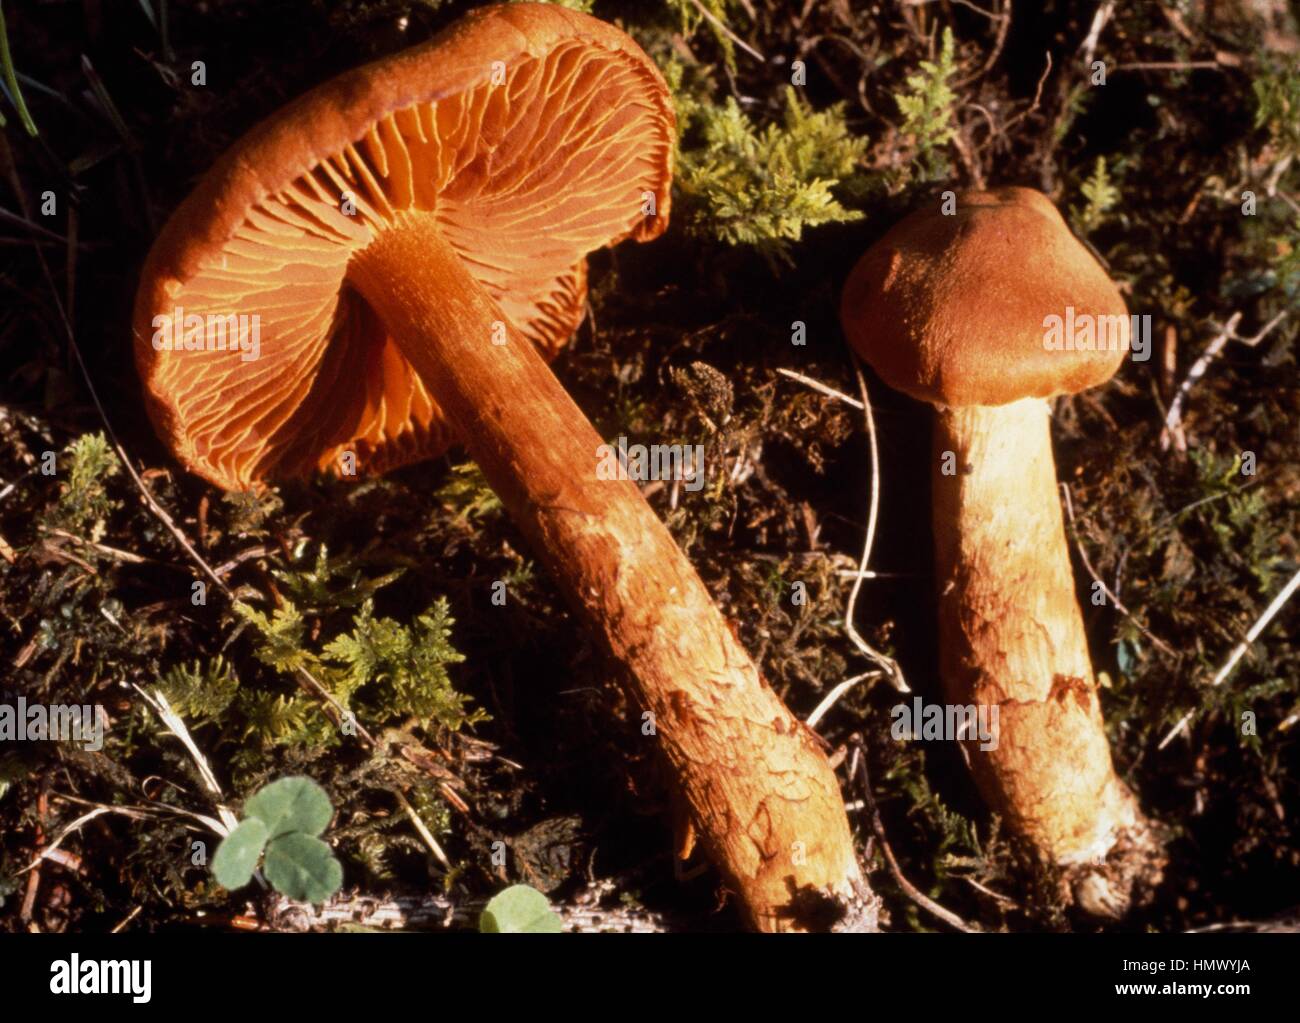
x,y
423,830
1002,18
859,765
1176,20
890,666
9,487
817,385
312,685
1038,95
173,723
995,896
969,161
10,217
76,825
119,928
112,553
1284,923
135,813
1171,65
1173,431
1239,651
722,27
1099,21
992,16
154,811
28,907
834,695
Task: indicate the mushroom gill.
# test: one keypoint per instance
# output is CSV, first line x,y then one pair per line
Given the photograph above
x,y
520,178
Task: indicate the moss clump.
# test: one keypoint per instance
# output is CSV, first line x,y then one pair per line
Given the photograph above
x,y
764,187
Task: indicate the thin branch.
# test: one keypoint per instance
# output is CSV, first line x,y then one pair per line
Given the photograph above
x,y
1171,65
834,695
817,385
1239,651
890,666
313,685
173,723
423,830
157,811
1038,95
1173,430
69,829
859,765
722,27
10,217
1099,21
991,15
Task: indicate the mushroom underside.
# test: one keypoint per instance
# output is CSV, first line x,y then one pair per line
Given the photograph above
x,y
522,179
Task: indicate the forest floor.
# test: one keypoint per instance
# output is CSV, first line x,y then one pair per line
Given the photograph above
x,y
502,724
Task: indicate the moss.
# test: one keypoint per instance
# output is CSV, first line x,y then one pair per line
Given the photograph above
x,y
765,188
377,587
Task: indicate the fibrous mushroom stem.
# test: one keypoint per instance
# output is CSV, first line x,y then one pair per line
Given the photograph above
x,y
1012,634
758,788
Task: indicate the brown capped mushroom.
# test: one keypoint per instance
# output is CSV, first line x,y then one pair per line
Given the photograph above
x,y
409,235
957,310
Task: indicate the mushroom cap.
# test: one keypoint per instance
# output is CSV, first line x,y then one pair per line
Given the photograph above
x,y
955,310
524,176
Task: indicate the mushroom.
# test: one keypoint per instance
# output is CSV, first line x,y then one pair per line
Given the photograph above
x,y
391,251
958,310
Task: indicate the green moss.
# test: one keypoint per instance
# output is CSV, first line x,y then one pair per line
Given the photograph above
x,y
84,506
928,109
1100,197
764,187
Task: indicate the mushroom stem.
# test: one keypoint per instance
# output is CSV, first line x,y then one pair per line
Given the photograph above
x,y
1012,635
759,789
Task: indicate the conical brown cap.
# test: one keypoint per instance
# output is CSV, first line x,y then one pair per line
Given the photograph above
x,y
958,309
532,135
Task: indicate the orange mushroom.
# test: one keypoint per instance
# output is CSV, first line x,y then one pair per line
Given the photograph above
x,y
408,236
956,310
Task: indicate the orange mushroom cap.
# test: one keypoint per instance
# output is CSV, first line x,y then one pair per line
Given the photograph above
x,y
532,133
952,309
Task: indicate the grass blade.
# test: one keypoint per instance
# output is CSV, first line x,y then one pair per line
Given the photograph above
x,y
11,81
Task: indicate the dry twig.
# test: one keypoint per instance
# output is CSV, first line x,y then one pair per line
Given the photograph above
x,y
859,765
1239,651
889,666
1173,430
